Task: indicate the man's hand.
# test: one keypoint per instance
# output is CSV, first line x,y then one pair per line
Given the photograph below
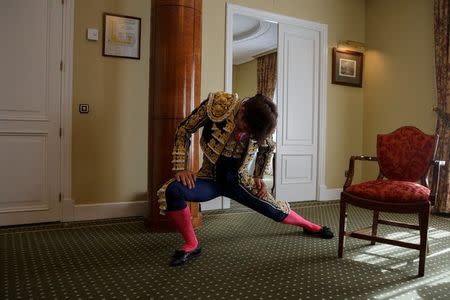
x,y
261,185
186,177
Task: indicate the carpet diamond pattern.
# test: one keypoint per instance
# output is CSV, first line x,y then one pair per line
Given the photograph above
x,y
245,256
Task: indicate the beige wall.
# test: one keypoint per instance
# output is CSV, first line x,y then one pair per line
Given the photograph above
x,y
244,79
110,143
346,21
109,154
399,78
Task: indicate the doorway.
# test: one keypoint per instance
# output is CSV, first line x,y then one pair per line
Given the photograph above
x,y
301,48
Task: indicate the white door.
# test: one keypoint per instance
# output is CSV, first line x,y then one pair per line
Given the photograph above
x,y
298,98
30,92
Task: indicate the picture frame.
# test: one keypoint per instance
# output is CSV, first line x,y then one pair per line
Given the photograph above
x,y
121,36
347,67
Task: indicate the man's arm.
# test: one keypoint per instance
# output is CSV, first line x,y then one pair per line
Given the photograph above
x,y
183,136
263,157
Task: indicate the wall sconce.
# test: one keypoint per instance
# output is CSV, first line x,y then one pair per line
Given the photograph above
x,y
351,45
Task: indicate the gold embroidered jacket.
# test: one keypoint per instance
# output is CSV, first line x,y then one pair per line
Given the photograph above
x,y
217,117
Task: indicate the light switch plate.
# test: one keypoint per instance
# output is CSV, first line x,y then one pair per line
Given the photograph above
x,y
92,34
83,108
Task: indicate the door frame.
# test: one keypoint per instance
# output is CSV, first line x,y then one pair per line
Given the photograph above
x,y
322,192
67,205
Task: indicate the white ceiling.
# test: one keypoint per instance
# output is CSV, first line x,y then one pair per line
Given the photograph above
x,y
252,36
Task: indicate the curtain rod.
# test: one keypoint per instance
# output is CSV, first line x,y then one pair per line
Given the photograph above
x,y
265,53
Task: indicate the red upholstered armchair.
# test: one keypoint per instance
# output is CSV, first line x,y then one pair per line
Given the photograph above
x,y
404,159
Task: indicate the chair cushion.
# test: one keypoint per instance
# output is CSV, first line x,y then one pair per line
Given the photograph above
x,y
390,191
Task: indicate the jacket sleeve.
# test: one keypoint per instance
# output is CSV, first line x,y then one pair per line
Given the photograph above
x,y
263,157
183,136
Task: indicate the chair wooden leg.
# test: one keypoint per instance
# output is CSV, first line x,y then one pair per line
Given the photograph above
x,y
376,214
424,217
342,227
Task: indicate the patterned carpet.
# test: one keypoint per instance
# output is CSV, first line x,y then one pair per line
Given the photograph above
x,y
246,256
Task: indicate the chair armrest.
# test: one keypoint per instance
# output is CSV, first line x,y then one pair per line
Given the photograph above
x,y
436,169
351,168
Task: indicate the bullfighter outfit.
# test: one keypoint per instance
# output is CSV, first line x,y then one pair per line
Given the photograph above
x,y
225,168
224,171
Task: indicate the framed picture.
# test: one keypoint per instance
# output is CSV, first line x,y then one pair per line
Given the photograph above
x,y
347,67
121,36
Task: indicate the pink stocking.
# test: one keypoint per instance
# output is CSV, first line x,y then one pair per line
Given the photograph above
x,y
294,219
182,221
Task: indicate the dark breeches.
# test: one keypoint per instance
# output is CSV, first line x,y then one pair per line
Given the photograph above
x,y
206,189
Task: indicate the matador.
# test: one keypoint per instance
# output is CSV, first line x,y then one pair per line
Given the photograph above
x,y
234,131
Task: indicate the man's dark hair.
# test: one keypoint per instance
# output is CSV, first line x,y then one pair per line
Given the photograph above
x,y
260,116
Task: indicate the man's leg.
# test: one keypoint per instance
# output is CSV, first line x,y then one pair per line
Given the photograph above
x,y
179,214
294,219
276,210
182,221
308,227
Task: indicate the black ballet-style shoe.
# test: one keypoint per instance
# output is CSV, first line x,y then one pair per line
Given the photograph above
x,y
324,233
181,257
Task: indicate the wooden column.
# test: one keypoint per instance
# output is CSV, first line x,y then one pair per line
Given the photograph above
x,y
174,92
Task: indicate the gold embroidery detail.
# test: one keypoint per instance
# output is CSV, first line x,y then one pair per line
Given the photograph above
x,y
207,170
183,135
213,148
162,197
210,155
280,204
230,144
221,136
229,127
264,157
220,105
177,152
251,149
248,182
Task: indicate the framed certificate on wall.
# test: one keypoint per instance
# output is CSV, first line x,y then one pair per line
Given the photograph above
x,y
121,36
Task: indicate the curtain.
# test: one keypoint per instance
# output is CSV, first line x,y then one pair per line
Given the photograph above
x,y
267,74
442,63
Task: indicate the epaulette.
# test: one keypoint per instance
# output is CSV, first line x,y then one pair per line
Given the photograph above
x,y
221,105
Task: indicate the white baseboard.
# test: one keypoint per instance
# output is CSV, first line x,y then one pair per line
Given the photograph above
x,y
217,203
68,210
84,212
327,194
